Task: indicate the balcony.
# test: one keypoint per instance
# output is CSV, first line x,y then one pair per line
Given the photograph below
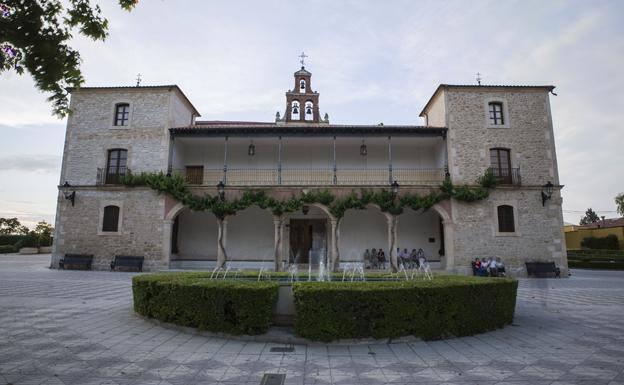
x,y
106,176
196,175
506,176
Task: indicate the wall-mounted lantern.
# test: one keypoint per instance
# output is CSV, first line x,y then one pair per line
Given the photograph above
x,y
221,190
305,209
251,150
547,191
363,149
70,196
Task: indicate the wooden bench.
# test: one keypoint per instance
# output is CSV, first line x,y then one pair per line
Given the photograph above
x,y
82,260
127,261
542,269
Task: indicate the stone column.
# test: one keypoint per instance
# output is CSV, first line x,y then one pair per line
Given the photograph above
x,y
278,222
449,248
392,241
167,238
334,254
221,242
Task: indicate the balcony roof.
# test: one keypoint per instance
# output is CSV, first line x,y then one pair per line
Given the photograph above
x,y
222,129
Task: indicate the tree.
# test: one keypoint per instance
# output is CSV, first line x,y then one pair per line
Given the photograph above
x,y
44,232
619,201
34,37
590,217
12,226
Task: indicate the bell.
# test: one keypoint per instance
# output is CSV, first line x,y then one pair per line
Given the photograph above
x,y
309,111
295,110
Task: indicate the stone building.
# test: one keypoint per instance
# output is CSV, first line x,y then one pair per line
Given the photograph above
x,y
468,130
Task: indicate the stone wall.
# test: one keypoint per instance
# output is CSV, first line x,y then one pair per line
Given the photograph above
x,y
141,226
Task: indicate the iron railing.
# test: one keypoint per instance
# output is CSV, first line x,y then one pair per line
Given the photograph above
x,y
110,176
506,176
312,176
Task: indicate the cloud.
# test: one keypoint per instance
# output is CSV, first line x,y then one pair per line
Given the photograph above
x,y
31,163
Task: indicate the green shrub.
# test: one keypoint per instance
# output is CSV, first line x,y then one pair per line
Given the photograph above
x,y
444,307
10,239
191,299
5,249
580,254
591,264
610,242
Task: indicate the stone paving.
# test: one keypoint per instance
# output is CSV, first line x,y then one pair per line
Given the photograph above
x,y
73,327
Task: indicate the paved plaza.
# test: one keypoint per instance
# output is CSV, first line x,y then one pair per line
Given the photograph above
x,y
74,327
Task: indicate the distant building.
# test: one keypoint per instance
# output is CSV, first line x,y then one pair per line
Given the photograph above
x,y
574,234
469,129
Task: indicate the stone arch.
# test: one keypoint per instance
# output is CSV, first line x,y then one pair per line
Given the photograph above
x,y
363,229
421,229
192,237
251,238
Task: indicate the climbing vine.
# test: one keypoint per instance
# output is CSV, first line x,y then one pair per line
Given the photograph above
x,y
176,187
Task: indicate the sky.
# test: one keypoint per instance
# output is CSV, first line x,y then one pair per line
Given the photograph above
x,y
372,62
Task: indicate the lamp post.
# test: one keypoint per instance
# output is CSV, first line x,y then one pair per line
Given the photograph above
x,y
70,196
221,190
547,191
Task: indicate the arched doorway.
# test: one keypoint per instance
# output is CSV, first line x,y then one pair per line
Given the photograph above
x,y
421,229
307,238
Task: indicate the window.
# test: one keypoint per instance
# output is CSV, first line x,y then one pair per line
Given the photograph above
x,y
500,165
506,219
116,165
122,113
110,221
194,174
496,113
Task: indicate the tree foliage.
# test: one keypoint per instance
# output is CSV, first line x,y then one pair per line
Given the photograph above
x,y
590,217
34,37
619,201
12,226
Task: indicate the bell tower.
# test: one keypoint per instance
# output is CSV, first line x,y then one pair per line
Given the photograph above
x,y
301,102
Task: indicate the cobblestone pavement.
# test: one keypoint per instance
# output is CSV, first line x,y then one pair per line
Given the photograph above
x,y
71,327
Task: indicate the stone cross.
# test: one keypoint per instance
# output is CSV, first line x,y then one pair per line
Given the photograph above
x,y
302,61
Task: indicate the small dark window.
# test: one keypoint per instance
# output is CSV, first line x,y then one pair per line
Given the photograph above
x,y
110,223
506,219
194,174
122,112
496,113
116,165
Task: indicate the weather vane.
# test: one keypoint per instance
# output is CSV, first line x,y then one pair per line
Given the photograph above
x,y
302,61
478,78
138,79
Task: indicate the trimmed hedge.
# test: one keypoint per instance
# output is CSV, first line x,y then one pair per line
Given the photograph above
x,y
192,299
11,239
5,249
444,307
604,265
580,254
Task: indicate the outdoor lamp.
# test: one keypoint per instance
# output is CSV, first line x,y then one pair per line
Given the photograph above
x,y
221,190
251,151
70,196
547,191
395,188
363,149
305,209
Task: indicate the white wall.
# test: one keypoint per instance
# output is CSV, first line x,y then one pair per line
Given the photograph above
x,y
414,229
197,235
251,235
360,230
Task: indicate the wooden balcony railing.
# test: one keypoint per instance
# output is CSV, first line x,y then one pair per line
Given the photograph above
x,y
312,176
507,176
